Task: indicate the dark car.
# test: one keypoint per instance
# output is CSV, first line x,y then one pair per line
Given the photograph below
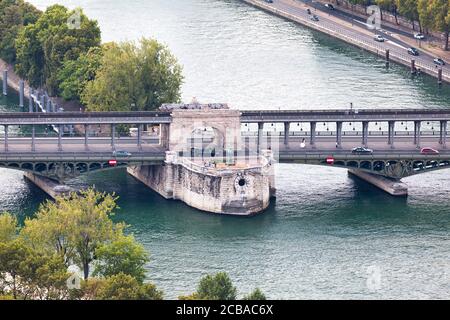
x,y
308,11
329,6
269,1
362,150
121,154
413,51
439,62
429,151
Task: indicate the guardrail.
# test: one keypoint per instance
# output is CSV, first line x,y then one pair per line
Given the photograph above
x,y
339,33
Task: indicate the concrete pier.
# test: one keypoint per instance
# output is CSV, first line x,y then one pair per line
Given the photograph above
x,y
240,189
49,186
393,187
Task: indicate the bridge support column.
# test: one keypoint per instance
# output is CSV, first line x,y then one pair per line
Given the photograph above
x,y
443,134
417,125
86,136
5,82
30,101
365,133
6,138
313,134
139,136
339,134
287,126
21,93
391,134
60,132
33,138
260,136
113,136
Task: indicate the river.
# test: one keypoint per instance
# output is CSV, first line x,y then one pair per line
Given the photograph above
x,y
326,235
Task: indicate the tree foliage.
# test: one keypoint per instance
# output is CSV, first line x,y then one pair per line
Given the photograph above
x,y
44,46
257,294
122,256
134,77
75,226
120,287
8,227
75,74
14,15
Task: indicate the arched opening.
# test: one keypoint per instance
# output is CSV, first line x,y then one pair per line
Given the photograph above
x,y
366,165
206,142
40,167
27,166
95,166
378,166
352,164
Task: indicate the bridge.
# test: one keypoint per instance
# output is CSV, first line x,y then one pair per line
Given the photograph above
x,y
89,144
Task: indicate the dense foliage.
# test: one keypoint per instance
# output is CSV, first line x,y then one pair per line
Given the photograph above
x,y
134,77
75,230
431,14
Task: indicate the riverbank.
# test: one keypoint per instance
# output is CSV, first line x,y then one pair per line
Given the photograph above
x,y
354,35
13,83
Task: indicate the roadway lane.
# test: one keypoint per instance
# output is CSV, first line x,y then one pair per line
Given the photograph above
x,y
396,48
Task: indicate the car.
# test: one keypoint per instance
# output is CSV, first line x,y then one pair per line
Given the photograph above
x,y
419,36
413,51
269,1
308,11
429,151
362,150
439,61
378,38
121,154
314,18
329,6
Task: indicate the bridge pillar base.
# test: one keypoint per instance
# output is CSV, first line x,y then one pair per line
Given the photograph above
x,y
49,186
393,187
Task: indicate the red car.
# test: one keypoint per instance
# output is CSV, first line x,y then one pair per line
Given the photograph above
x,y
429,151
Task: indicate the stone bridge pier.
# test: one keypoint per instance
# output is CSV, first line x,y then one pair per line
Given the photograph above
x,y
204,167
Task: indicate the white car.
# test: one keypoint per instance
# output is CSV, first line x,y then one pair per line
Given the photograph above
x,y
419,36
378,38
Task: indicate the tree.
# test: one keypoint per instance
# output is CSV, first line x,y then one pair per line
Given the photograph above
x,y
124,256
75,74
44,46
217,287
257,294
8,227
26,273
134,77
120,287
435,15
74,226
389,5
14,15
408,9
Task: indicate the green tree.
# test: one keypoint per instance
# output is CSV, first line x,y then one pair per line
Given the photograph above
x,y
29,274
123,255
120,287
388,5
43,47
435,15
14,15
408,9
8,227
75,74
257,294
74,226
134,77
216,287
